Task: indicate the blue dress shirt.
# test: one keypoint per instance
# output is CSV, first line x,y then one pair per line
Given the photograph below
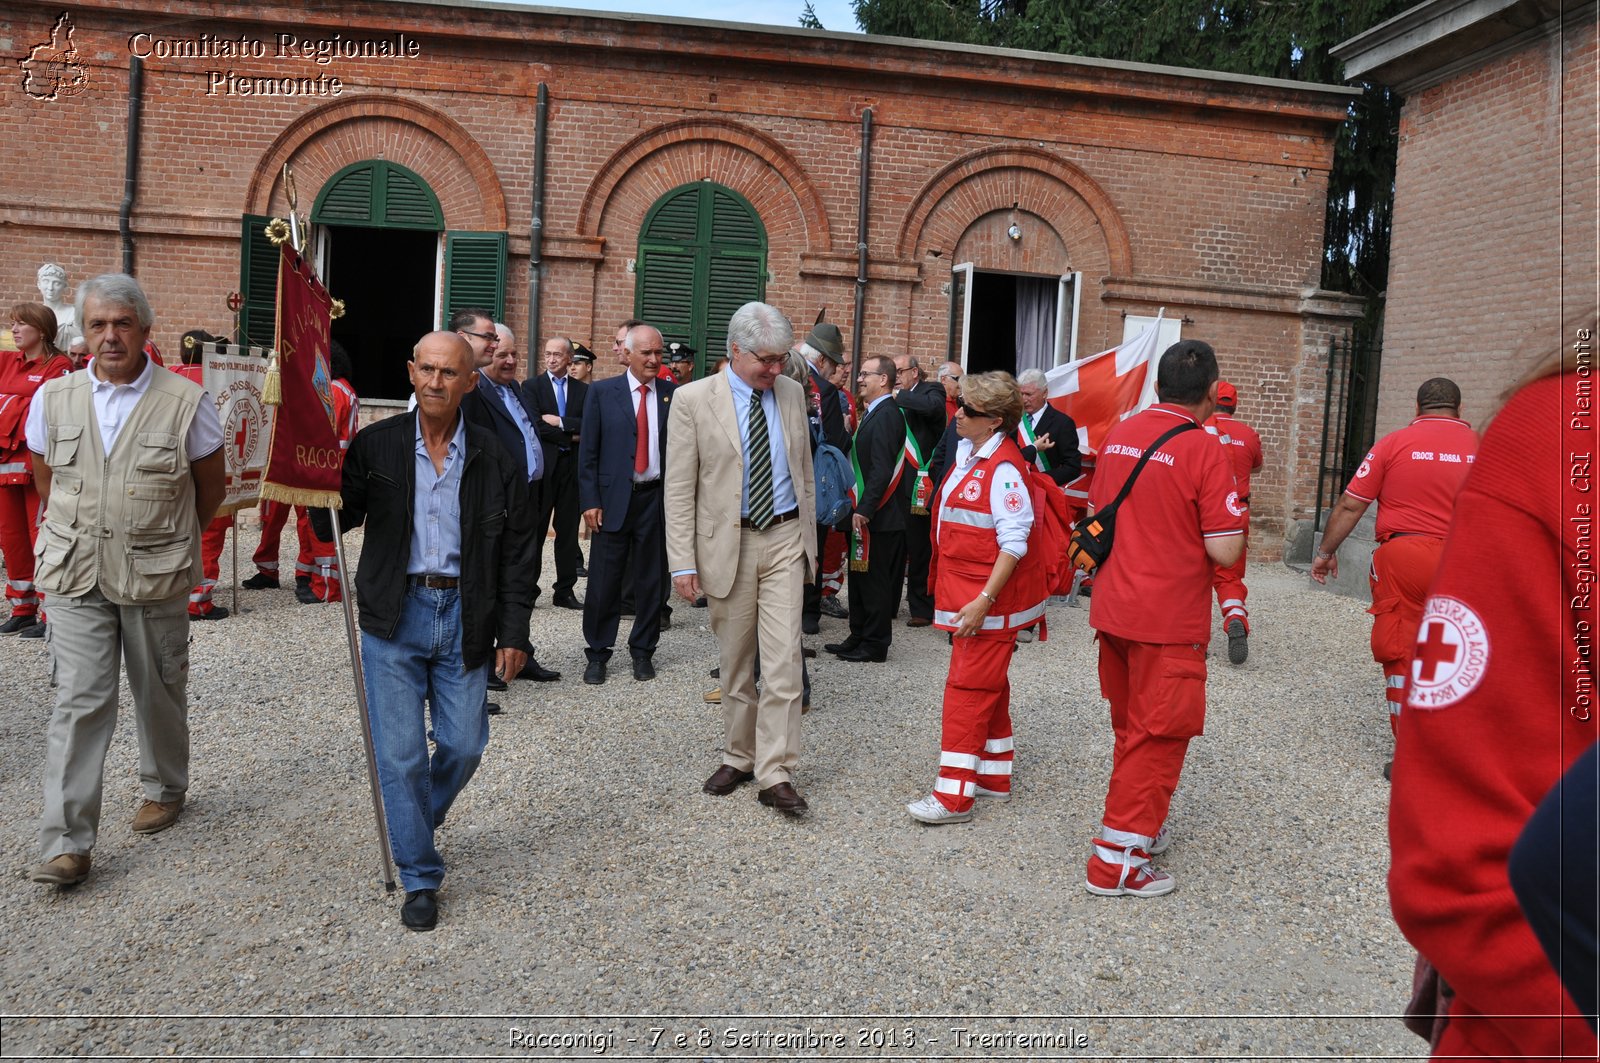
x,y
436,508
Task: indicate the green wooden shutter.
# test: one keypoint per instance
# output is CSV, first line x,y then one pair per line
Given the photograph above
x,y
475,272
258,283
733,281
378,193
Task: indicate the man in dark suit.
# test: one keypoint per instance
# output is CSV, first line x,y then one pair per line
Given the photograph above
x,y
620,461
922,401
557,401
824,352
498,404
883,502
1047,436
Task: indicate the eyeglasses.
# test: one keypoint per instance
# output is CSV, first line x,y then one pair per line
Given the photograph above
x,y
903,372
487,337
769,361
870,373
973,411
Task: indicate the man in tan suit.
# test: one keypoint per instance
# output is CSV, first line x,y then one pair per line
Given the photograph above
x,y
741,530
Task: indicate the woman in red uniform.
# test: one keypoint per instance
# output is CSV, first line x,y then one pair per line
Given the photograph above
x,y
986,588
1501,702
22,372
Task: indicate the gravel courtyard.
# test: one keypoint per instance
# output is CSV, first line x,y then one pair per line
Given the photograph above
x,y
599,905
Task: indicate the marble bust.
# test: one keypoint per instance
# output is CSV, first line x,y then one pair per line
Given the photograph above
x,y
53,293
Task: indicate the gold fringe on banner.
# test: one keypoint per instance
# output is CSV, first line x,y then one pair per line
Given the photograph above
x,y
300,496
272,387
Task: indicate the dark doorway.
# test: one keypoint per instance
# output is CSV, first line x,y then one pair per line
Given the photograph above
x,y
386,278
992,341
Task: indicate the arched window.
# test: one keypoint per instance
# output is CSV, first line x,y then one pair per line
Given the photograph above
x,y
702,255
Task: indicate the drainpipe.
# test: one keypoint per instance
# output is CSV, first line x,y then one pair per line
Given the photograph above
x,y
536,229
861,247
130,174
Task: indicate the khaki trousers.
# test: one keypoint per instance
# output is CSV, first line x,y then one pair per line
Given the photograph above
x,y
86,637
763,609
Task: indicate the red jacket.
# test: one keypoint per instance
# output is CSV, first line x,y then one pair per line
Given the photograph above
x,y
963,528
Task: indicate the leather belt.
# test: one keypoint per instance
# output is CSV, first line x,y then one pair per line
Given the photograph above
x,y
781,518
438,583
647,485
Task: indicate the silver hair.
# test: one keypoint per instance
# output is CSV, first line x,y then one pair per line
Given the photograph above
x,y
949,369
797,368
52,267
118,289
1032,378
627,341
810,353
759,327
507,335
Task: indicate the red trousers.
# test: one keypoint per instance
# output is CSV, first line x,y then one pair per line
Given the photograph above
x,y
1228,582
975,748
1158,702
1402,571
833,551
19,516
212,541
316,561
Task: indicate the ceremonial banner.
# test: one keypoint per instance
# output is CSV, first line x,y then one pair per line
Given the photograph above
x,y
235,377
1101,390
304,462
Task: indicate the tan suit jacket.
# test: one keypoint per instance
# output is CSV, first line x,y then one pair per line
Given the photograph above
x,y
705,478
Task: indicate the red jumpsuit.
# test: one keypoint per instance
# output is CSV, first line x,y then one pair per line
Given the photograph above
x,y
1497,712
19,498
1153,660
1244,447
214,537
317,561
1414,474
981,506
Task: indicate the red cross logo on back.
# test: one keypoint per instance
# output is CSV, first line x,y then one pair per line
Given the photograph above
x,y
1451,656
1433,651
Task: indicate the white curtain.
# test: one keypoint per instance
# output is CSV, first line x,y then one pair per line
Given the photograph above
x,y
1036,323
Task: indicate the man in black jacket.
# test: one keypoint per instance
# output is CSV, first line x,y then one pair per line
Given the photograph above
x,y
883,502
445,574
922,401
557,401
824,352
1048,437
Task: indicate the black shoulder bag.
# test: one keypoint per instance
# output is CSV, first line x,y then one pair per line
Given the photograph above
x,y
1092,538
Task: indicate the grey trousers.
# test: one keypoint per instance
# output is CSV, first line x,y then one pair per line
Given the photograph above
x,y
87,635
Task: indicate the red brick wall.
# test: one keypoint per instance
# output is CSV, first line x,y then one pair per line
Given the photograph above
x,y
1494,222
1200,195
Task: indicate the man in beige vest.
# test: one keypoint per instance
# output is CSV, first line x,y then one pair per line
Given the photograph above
x,y
130,466
741,529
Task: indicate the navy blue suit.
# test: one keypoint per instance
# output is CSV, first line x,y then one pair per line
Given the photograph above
x,y
558,500
631,522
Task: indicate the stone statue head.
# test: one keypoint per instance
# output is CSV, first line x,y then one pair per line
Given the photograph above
x,y
52,282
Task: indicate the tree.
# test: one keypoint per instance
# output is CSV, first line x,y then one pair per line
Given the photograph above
x,y
1288,39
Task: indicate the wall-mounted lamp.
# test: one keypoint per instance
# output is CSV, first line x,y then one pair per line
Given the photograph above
x,y
1014,231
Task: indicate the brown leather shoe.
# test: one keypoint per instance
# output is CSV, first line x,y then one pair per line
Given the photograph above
x,y
784,798
712,696
154,816
68,869
726,779
919,621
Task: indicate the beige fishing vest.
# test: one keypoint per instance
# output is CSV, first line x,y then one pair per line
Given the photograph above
x,y
125,522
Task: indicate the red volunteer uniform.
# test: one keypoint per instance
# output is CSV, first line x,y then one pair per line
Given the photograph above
x,y
1414,474
1244,449
1488,730
317,560
1151,611
982,506
19,498
214,537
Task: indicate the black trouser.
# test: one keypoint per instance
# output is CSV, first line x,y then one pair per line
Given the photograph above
x,y
875,593
919,551
643,535
811,599
558,499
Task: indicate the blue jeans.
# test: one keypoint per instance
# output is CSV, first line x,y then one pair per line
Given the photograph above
x,y
423,662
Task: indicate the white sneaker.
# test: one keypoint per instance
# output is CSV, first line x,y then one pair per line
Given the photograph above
x,y
1162,842
931,810
1146,880
998,795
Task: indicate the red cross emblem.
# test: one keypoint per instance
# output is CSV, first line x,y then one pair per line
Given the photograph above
x,y
1451,656
235,301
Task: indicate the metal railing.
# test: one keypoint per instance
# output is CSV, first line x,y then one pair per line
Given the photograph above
x,y
1349,414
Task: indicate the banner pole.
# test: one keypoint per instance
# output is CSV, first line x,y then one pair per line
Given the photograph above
x,y
361,702
233,536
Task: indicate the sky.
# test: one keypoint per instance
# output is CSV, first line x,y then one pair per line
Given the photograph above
x,y
835,14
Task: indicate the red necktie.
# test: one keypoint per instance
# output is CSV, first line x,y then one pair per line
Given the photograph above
x,y
641,450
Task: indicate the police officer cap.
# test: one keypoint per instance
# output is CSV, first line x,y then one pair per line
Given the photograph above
x,y
679,352
580,353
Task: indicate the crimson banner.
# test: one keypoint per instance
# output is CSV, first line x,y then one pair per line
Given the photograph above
x,y
304,461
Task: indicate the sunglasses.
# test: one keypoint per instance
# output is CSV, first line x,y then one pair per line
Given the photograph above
x,y
972,411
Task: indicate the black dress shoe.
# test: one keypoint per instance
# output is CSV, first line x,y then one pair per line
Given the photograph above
x,y
260,582
726,779
495,682
218,612
595,673
581,572
842,647
810,625
566,600
643,669
784,798
807,651
493,708
861,654
420,911
537,672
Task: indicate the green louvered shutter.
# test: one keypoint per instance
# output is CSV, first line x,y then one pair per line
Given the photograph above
x,y
347,198
408,203
378,193
475,272
258,283
702,255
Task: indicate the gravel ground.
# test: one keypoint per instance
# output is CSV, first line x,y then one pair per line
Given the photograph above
x,y
595,894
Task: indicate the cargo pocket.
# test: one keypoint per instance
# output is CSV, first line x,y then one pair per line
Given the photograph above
x,y
170,622
150,508
62,446
158,453
51,552
159,571
1178,709
62,505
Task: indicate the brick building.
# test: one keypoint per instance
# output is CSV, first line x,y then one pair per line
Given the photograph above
x,y
688,167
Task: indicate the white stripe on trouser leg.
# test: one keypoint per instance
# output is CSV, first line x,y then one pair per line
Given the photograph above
x,y
958,760
1233,604
999,745
302,569
269,567
954,787
994,767
1394,680
1123,839
1394,708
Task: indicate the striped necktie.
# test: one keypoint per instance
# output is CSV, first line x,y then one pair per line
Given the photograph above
x,y
760,458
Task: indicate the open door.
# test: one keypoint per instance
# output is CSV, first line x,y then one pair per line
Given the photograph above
x,y
960,313
1067,317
